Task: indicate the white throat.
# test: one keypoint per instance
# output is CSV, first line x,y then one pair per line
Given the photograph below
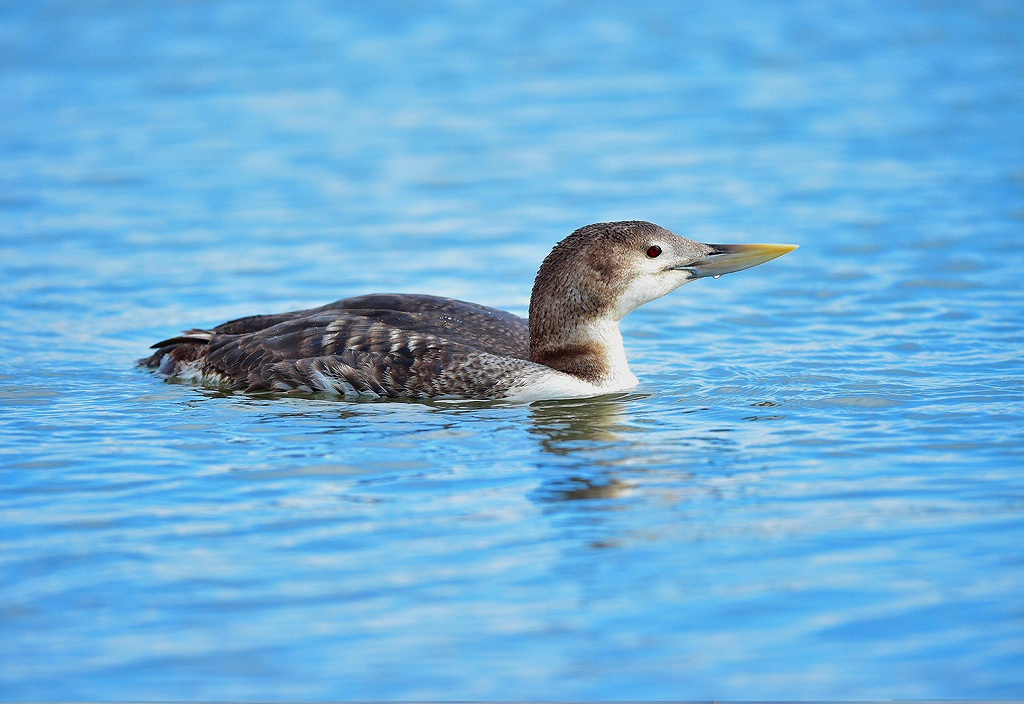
x,y
604,334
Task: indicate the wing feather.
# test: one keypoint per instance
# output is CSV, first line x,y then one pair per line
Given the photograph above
x,y
484,328
380,345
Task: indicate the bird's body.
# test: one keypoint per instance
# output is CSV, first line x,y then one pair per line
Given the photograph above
x,y
419,346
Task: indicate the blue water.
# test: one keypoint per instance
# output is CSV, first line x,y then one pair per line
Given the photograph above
x,y
816,492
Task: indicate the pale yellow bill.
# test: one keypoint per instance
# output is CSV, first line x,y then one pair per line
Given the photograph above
x,y
728,258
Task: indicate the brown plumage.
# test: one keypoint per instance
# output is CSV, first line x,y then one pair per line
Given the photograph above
x,y
381,344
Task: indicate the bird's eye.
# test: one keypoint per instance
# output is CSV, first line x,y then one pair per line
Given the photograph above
x,y
653,251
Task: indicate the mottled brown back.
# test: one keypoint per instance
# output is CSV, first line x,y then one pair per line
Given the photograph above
x,y
388,344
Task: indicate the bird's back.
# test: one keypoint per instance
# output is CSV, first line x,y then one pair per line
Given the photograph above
x,y
380,344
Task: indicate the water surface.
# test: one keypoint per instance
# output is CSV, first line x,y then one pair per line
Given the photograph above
x,y
816,492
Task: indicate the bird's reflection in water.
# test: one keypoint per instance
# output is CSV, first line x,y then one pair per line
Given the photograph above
x,y
574,434
575,488
566,426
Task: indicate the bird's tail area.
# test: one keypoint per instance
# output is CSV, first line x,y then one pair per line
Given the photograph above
x,y
171,354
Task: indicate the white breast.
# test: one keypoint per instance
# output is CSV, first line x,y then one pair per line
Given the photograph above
x,y
551,384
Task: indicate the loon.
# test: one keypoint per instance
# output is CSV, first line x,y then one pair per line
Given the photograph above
x,y
421,346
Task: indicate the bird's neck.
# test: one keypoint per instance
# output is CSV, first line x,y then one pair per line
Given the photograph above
x,y
590,349
574,322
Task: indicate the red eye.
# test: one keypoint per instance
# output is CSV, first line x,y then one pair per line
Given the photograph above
x,y
653,251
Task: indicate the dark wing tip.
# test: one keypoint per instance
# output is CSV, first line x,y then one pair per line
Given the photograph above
x,y
194,337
